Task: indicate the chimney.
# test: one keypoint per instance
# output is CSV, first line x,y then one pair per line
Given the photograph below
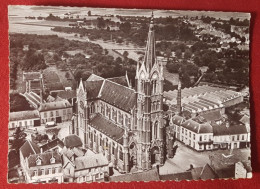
x,y
41,151
179,98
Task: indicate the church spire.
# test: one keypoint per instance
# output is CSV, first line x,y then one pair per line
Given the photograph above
x,y
179,98
150,58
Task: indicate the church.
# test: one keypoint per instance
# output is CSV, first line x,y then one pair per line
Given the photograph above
x,y
125,124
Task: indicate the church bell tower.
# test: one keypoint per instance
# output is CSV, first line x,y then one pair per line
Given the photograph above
x,y
149,107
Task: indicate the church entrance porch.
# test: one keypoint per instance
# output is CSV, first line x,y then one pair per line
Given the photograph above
x,y
155,155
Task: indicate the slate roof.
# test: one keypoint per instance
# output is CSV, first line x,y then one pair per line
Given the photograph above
x,y
120,80
45,158
212,116
24,115
52,144
219,130
35,84
31,75
177,176
151,175
196,127
86,162
72,141
177,120
203,173
29,148
54,105
94,77
117,95
245,119
67,94
93,88
108,128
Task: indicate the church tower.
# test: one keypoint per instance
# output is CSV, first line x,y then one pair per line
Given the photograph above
x,y
149,107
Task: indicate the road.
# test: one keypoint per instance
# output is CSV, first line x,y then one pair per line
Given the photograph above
x,y
183,159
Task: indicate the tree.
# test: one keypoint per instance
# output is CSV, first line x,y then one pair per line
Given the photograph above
x,y
187,54
101,22
212,67
125,27
125,54
18,103
178,53
67,75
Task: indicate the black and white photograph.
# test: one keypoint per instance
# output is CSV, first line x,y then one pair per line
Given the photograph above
x,y
121,95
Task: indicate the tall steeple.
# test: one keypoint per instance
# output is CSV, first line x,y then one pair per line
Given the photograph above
x,y
150,57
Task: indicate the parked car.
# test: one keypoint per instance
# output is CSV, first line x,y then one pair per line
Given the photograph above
x,y
50,124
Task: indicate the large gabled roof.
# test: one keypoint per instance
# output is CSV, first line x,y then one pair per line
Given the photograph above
x,y
29,148
117,95
108,128
110,90
197,127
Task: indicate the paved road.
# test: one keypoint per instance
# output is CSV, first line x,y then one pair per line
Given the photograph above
x,y
182,160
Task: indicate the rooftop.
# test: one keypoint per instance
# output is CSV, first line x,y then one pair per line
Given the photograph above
x,y
31,76
108,128
45,158
24,115
54,105
151,175
72,141
29,148
86,162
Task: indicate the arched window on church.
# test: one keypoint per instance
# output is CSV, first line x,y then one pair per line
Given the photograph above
x,y
142,86
102,108
108,111
92,108
154,88
154,106
121,153
156,130
114,116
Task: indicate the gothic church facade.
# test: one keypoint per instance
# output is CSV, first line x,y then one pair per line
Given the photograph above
x,y
124,124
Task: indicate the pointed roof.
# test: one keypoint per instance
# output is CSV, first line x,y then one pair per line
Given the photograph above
x,y
29,148
150,57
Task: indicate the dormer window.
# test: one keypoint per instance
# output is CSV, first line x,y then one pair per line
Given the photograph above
x,y
52,160
38,161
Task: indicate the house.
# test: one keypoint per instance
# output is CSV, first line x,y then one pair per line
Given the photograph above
x,y
58,111
208,133
24,119
198,173
79,166
243,170
38,166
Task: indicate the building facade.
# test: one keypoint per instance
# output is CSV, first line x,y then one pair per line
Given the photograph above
x,y
24,119
59,111
123,123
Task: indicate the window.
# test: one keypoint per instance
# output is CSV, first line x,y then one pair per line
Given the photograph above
x,y
56,170
194,136
57,113
120,153
25,123
189,134
242,137
233,138
205,137
13,125
20,123
64,112
156,130
45,114
51,114
113,149
38,161
92,108
49,170
52,160
43,172
200,138
35,172
200,146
